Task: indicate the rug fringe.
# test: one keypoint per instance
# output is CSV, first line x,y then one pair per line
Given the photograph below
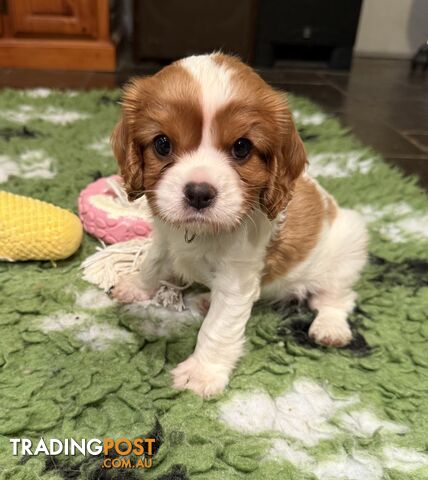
x,y
104,267
109,263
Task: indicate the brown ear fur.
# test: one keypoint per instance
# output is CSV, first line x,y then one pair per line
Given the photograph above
x,y
128,156
286,164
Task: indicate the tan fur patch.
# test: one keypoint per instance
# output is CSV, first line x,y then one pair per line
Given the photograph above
x,y
261,114
237,120
168,103
300,230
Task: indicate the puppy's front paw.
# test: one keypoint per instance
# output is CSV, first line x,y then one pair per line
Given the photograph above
x,y
330,332
202,378
129,290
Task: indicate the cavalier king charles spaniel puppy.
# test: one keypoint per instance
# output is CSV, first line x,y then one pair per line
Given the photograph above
x,y
215,150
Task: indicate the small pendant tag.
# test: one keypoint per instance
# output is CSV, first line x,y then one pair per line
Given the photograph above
x,y
188,238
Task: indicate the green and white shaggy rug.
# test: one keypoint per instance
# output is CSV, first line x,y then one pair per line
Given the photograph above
x,y
76,365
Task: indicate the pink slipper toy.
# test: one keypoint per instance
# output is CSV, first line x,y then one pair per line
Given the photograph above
x,y
107,214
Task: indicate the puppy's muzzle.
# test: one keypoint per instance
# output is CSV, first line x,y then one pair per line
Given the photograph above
x,y
199,195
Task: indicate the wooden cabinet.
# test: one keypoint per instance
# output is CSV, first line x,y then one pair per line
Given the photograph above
x,y
77,18
56,34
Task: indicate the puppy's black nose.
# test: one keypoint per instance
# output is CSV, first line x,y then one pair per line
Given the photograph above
x,y
199,195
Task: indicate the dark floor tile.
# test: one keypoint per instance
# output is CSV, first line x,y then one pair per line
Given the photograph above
x,y
369,127
23,78
412,166
404,113
375,80
419,139
339,82
325,96
291,76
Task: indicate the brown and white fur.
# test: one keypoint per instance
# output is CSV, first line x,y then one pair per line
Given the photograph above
x,y
271,231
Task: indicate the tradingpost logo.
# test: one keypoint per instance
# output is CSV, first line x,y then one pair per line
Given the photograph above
x,y
138,451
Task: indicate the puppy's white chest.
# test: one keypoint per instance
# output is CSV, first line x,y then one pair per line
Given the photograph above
x,y
193,263
218,258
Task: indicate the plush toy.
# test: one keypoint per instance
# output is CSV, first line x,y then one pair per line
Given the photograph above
x,y
34,230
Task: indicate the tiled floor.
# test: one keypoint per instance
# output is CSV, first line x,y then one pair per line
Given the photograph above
x,y
379,100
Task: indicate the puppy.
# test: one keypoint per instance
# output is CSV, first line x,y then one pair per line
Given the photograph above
x,y
215,151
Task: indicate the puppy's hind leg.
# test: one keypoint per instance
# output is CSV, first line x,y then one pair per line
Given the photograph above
x,y
330,327
342,261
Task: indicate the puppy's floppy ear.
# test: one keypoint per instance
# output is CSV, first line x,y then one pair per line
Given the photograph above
x,y
129,160
125,149
286,163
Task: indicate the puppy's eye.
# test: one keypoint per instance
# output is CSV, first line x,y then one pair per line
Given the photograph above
x,y
241,148
162,145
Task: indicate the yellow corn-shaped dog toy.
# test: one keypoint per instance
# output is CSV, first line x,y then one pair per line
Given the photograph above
x,y
34,230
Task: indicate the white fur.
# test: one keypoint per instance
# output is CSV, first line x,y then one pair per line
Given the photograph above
x,y
231,263
203,165
216,87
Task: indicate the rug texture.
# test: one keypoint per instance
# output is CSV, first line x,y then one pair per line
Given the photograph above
x,y
76,365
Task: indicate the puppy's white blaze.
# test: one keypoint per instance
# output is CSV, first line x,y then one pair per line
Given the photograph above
x,y
208,165
201,174
215,84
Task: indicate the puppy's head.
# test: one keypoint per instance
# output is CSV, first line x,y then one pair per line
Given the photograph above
x,y
207,141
